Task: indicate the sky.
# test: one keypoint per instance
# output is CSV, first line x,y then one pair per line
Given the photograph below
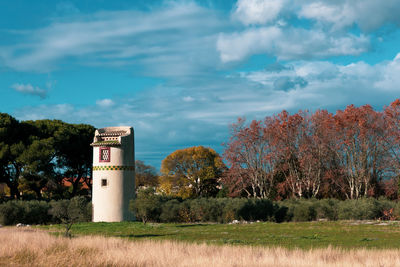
x,y
181,72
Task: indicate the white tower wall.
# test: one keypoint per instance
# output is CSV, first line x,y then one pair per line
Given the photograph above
x,y
113,177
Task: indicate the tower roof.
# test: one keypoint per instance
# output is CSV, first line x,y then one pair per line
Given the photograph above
x,y
110,136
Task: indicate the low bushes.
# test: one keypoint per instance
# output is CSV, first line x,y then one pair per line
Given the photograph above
x,y
156,208
38,212
362,209
27,212
333,209
149,206
310,209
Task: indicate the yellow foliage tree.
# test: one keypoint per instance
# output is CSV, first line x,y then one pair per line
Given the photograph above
x,y
191,172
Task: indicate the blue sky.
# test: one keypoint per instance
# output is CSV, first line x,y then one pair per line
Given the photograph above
x,y
180,72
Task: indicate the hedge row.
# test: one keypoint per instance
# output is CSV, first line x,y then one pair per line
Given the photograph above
x,y
220,210
42,212
151,207
333,209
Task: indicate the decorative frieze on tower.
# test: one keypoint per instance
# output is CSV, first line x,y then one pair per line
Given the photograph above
x,y
113,174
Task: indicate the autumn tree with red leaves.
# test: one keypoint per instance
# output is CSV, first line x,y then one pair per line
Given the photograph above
x,y
347,155
392,138
252,159
360,148
303,144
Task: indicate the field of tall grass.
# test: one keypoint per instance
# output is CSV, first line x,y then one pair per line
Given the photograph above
x,y
33,247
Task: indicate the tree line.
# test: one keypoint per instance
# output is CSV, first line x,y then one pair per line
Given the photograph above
x,y
348,155
351,154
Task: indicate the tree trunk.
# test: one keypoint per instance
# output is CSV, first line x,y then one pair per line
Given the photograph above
x,y
14,192
75,183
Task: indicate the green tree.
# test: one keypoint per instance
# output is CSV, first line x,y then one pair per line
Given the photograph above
x,y
38,158
38,166
71,154
10,147
147,205
68,212
191,172
38,154
74,153
145,175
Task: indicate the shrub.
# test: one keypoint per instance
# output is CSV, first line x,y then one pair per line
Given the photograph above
x,y
231,208
26,212
304,211
170,211
387,209
396,209
11,212
327,209
280,213
257,209
225,210
206,210
221,210
78,209
147,205
360,209
185,214
68,212
82,207
36,212
300,210
289,205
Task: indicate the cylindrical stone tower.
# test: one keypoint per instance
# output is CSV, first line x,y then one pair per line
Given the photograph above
x,y
113,174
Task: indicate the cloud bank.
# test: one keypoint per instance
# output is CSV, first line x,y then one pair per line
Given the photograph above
x,y
172,40
165,121
199,56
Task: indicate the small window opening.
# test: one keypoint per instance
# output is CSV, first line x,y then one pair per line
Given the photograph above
x,y
103,182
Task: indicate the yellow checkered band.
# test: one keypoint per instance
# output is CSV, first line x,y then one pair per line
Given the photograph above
x,y
113,168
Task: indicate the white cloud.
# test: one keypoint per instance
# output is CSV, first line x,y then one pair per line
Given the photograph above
x,y
390,76
186,44
30,90
164,121
367,14
335,85
175,39
153,47
329,31
339,15
251,94
288,44
105,102
238,46
258,11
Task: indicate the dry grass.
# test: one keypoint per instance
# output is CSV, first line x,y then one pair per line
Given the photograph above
x,y
28,247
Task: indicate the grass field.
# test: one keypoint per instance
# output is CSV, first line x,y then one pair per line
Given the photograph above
x,y
33,247
341,234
